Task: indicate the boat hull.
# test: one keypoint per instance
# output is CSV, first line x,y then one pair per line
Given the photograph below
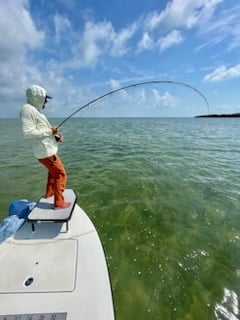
x,y
55,273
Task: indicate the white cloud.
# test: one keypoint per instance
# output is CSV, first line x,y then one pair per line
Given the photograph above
x,y
166,100
141,97
62,26
180,13
224,27
99,39
137,96
119,40
18,34
169,23
93,41
223,73
17,29
115,84
145,43
172,38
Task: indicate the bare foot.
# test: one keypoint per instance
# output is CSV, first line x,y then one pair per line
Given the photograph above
x,y
63,206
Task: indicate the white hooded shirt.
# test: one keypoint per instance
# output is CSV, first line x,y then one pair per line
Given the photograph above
x,y
35,125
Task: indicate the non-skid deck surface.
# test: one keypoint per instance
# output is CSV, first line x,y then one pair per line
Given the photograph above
x,y
44,209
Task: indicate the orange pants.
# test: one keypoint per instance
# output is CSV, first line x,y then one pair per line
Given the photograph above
x,y
57,179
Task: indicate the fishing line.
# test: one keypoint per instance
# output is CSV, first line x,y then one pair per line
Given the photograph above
x,y
135,85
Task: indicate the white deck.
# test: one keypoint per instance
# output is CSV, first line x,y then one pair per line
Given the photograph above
x,y
55,274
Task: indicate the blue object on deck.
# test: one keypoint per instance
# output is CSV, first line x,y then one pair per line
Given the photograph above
x,y
21,208
9,226
17,214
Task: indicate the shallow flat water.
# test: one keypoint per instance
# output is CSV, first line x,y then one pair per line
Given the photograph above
x,y
164,195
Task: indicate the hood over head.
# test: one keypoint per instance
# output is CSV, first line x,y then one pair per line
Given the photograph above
x,y
36,96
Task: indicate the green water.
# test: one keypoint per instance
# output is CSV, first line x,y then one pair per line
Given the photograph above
x,y
164,195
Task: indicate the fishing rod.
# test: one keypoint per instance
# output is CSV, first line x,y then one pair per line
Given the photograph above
x,y
135,85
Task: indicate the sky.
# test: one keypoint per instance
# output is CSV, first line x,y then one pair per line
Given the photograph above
x,y
80,50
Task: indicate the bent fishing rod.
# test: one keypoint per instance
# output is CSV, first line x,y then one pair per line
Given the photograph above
x,y
131,86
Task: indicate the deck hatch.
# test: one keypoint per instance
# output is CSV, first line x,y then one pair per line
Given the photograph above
x,y
45,267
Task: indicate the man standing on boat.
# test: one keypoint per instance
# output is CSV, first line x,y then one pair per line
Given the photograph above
x,y
44,137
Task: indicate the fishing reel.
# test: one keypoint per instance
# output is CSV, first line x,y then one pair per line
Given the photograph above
x,y
58,137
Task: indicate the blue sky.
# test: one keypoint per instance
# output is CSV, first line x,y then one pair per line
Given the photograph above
x,y
79,50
